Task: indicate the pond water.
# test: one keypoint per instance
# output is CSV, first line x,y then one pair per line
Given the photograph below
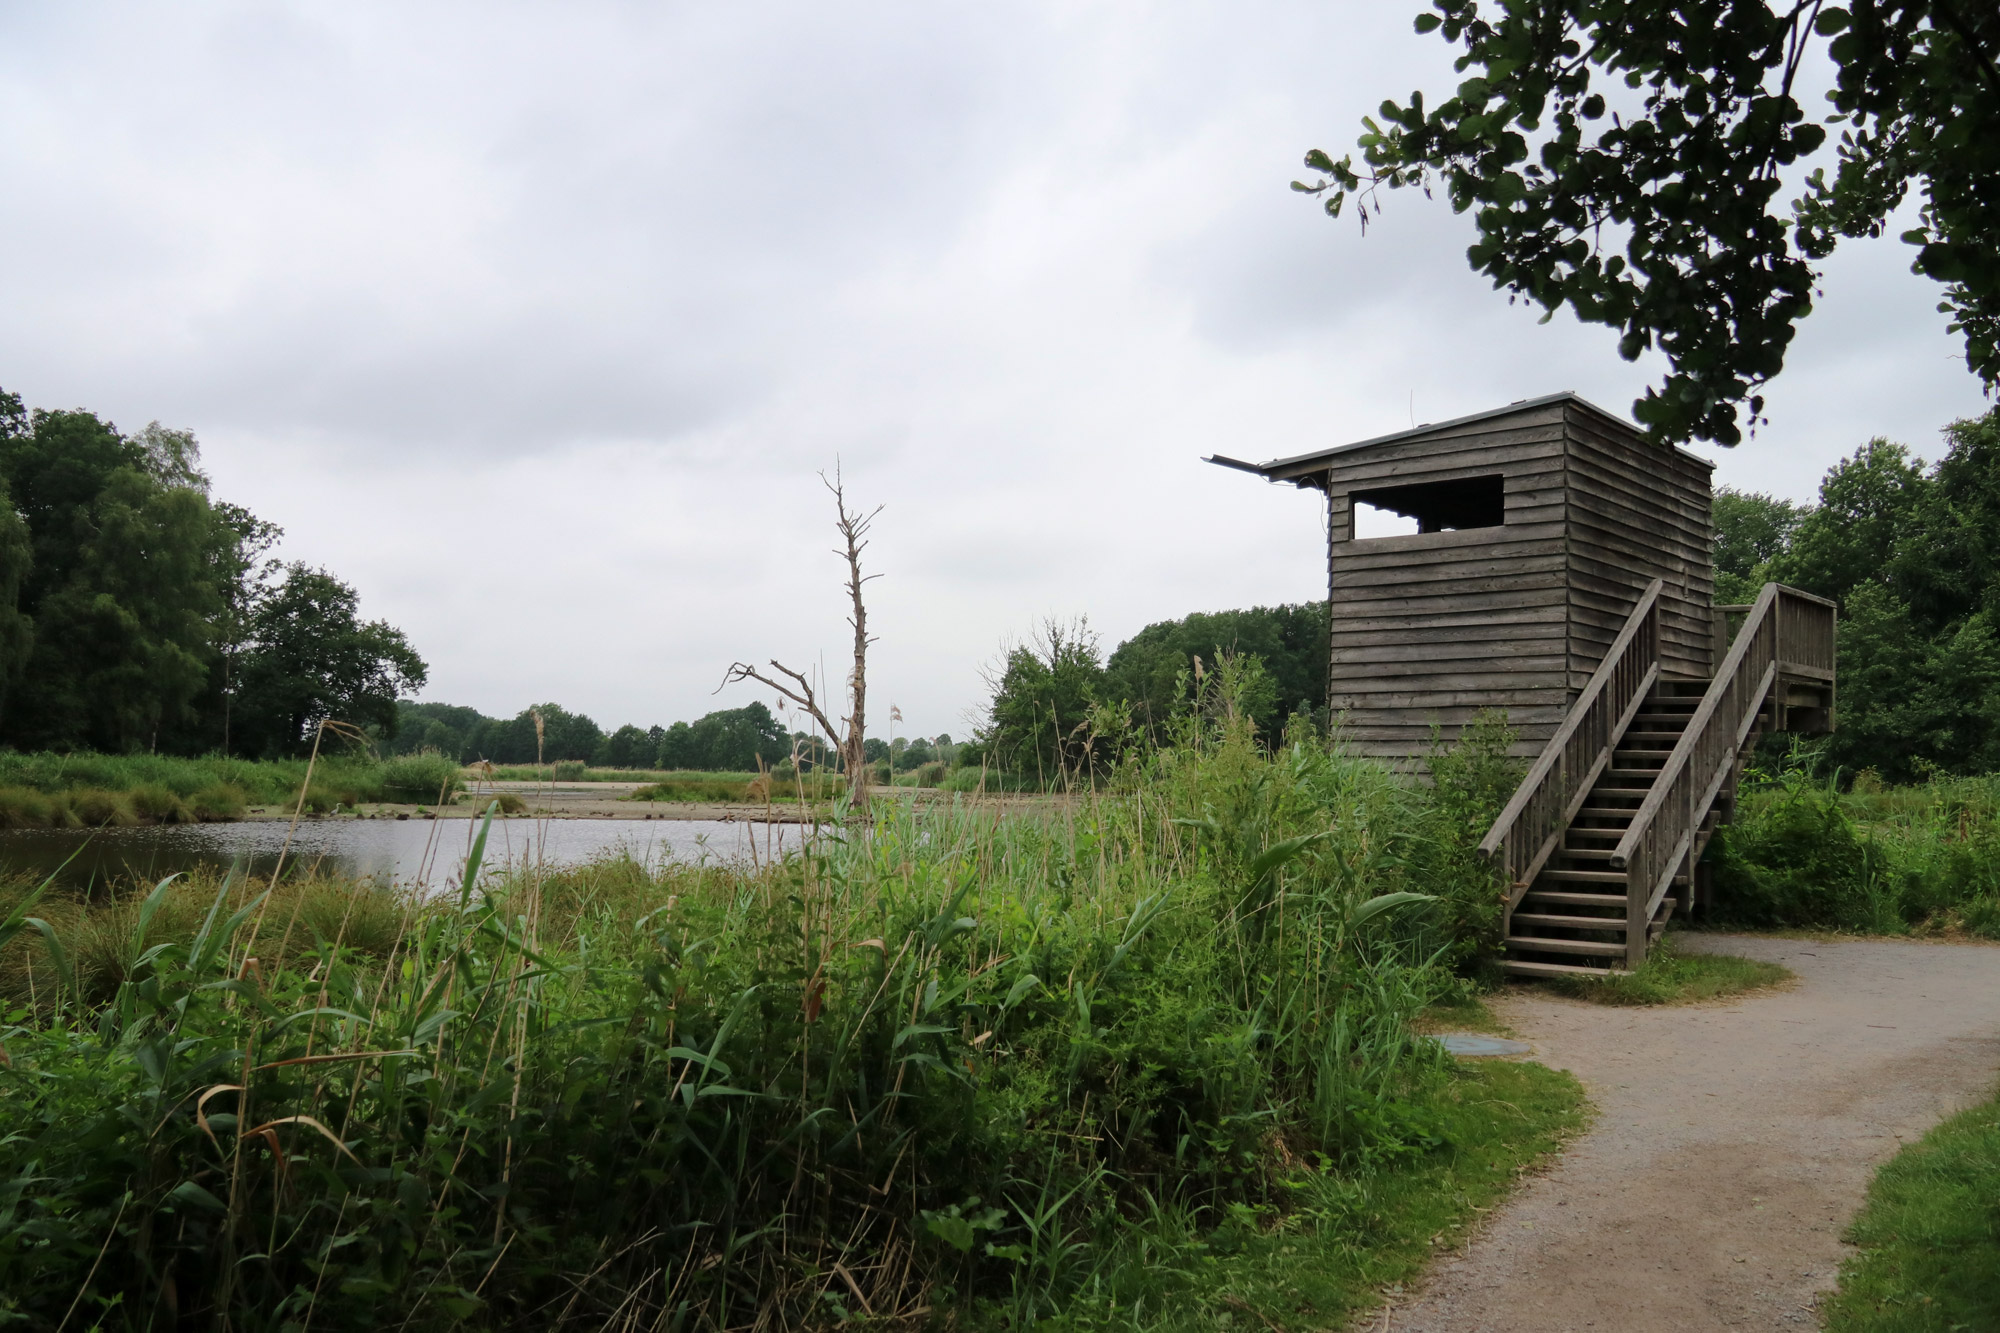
x,y
417,851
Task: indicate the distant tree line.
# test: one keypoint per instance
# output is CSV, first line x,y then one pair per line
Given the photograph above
x,y
140,612
729,740
1911,552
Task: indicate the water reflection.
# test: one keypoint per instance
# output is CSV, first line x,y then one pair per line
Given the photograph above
x,y
418,851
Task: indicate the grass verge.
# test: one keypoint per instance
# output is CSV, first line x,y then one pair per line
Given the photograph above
x,y
1929,1236
1673,977
1344,1238
46,790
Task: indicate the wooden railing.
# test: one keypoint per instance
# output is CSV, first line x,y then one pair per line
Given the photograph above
x,y
1786,634
1533,824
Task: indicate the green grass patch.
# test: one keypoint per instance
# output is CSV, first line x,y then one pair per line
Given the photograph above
x,y
576,772
1670,976
1337,1239
1461,1013
1929,1236
741,788
985,780
46,790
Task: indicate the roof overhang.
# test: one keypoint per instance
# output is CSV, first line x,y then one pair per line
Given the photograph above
x,y
1309,469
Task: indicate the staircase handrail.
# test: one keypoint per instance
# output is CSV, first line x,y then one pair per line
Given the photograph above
x,y
1786,631
1533,823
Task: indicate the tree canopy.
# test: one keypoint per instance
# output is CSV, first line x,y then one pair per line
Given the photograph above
x,y
1058,705
1154,669
316,658
1912,554
1628,160
137,611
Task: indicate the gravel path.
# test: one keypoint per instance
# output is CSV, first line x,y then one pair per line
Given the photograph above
x,y
1734,1142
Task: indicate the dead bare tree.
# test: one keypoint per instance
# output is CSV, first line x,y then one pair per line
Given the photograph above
x,y
851,746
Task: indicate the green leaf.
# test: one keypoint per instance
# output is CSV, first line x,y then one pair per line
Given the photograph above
x,y
1388,902
188,1192
431,1026
65,972
476,856
1019,990
952,1230
18,917
1278,853
321,1012
917,1030
149,908
1428,22
198,946
707,1062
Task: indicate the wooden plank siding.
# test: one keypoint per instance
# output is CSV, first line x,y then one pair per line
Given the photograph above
x,y
1427,630
1637,511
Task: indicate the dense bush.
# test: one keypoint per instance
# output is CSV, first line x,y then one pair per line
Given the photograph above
x,y
1877,860
423,778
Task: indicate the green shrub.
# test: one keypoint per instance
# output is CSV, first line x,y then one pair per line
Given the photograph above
x,y
223,801
570,770
154,803
324,797
426,777
1882,861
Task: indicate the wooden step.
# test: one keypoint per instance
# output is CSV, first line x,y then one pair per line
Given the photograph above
x,y
1559,897
1550,922
1616,877
1596,948
1523,968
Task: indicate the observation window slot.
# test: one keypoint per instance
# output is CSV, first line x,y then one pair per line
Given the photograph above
x,y
1435,506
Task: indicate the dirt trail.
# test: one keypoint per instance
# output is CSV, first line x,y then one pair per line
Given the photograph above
x,y
1733,1144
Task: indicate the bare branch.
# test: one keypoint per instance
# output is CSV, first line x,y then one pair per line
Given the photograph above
x,y
852,745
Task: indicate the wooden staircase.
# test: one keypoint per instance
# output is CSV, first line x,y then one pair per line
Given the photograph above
x,y
1572,918
1602,838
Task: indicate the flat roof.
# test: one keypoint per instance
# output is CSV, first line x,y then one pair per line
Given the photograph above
x,y
1526,404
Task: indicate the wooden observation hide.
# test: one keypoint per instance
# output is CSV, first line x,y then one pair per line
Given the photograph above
x,y
1561,572
1539,526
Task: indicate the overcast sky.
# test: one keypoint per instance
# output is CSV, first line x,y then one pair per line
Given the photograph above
x,y
536,322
